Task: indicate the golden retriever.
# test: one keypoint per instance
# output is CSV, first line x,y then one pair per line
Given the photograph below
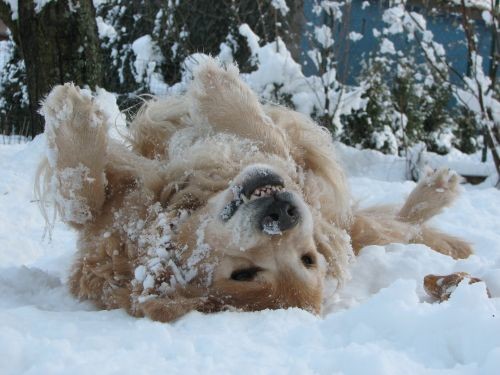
x,y
217,202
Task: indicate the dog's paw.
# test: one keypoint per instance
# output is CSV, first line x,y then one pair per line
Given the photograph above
x,y
442,180
221,99
68,105
211,79
436,190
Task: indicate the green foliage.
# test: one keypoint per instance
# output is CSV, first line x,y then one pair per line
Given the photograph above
x,y
179,29
407,102
403,109
14,114
372,127
468,137
130,20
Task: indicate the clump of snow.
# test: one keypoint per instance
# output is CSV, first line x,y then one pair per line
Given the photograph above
x,y
271,227
105,30
39,4
14,8
148,59
281,6
72,207
323,35
116,120
487,18
387,47
354,36
98,3
13,4
5,53
479,4
331,8
476,94
251,37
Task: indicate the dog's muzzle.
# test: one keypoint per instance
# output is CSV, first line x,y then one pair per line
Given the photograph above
x,y
263,196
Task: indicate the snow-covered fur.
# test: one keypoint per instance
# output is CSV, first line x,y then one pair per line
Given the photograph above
x,y
166,225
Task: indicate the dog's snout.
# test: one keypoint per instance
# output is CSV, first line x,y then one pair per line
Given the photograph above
x,y
280,215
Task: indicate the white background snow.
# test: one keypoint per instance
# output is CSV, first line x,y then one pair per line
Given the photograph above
x,y
380,323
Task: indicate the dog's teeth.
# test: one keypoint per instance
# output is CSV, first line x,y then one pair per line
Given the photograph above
x,y
244,198
265,191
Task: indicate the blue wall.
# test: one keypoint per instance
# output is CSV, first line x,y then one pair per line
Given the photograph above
x,y
445,27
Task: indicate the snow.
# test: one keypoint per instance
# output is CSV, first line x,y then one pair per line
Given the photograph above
x,y
271,227
4,54
480,4
281,6
323,35
251,37
487,17
381,322
376,165
476,94
13,4
148,59
39,4
387,47
354,36
105,30
14,7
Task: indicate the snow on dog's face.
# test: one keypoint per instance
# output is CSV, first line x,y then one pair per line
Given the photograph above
x,y
259,251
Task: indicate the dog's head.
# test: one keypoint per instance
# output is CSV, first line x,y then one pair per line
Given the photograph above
x,y
257,242
267,235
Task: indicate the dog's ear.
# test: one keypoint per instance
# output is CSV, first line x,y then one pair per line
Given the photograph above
x,y
220,99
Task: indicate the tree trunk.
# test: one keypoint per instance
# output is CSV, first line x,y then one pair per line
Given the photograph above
x,y
58,44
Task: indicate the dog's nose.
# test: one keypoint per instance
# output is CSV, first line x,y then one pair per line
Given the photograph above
x,y
279,216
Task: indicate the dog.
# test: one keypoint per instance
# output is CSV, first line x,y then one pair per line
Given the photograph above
x,y
215,202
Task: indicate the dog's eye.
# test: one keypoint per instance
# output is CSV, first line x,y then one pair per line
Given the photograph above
x,y
247,274
308,260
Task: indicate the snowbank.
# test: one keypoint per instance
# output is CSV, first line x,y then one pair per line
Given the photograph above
x,y
376,165
380,323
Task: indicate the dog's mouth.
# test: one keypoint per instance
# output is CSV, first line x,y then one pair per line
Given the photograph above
x,y
263,184
260,184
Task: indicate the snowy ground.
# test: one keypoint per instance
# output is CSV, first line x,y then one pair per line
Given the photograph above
x,y
381,323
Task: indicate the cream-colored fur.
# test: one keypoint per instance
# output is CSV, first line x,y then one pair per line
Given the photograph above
x,y
150,216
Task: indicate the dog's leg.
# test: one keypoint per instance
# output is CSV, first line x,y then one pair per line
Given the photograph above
x,y
379,226
443,243
220,99
434,192
154,125
77,139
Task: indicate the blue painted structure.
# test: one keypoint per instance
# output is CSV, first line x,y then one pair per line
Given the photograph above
x,y
445,26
